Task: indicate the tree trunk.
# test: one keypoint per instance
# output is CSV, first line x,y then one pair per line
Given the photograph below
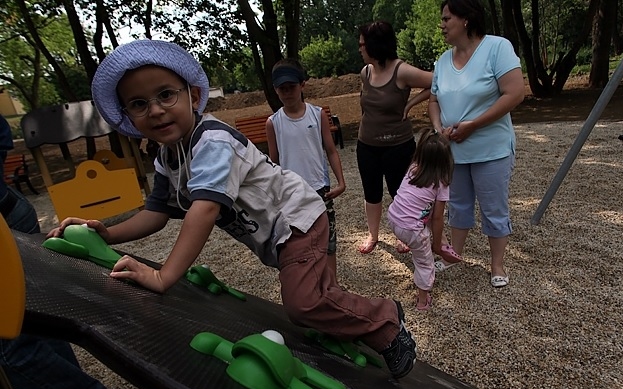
x,y
32,30
509,28
544,83
564,67
494,18
148,14
266,41
81,41
617,39
110,31
532,62
99,29
292,12
603,26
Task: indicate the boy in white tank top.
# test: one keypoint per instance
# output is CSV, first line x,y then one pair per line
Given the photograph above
x,y
298,136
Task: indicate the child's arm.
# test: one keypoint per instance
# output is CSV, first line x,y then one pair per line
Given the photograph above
x,y
333,156
437,225
415,100
273,151
198,224
142,224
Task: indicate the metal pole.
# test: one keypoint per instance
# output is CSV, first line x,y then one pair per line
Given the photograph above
x,y
595,114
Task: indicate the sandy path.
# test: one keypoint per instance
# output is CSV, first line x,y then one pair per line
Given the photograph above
x,y
557,324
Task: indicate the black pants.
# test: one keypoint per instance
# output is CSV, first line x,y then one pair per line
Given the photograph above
x,y
376,162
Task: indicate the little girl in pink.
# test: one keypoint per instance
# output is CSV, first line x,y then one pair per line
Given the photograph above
x,y
418,209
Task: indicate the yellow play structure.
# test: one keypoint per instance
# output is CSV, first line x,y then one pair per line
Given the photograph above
x,y
102,187
12,285
12,290
96,192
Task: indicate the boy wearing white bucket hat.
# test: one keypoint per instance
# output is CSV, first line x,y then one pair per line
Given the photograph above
x,y
209,174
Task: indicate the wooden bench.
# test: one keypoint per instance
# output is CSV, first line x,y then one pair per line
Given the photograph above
x,y
16,171
254,127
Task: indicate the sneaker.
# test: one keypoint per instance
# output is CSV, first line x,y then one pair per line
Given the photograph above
x,y
400,354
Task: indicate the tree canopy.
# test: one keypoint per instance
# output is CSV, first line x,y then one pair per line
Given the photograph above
x,y
50,49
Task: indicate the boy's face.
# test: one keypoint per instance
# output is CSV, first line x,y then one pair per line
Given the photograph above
x,y
140,87
290,93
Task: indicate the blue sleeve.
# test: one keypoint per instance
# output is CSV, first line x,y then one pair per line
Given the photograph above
x,y
505,59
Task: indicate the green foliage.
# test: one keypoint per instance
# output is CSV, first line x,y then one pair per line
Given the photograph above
x,y
323,57
78,81
421,42
560,23
353,62
19,59
232,75
395,12
585,68
337,19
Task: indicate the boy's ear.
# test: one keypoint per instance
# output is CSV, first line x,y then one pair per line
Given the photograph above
x,y
195,96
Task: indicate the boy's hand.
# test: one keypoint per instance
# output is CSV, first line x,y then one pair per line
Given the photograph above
x,y
98,226
334,192
128,268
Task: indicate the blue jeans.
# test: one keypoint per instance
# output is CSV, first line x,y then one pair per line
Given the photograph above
x,y
31,362
22,216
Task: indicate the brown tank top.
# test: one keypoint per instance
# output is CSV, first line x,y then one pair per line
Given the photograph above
x,y
382,110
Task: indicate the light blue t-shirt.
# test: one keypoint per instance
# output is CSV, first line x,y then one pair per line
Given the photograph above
x,y
467,93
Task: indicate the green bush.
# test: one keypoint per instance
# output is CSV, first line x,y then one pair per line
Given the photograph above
x,y
323,57
421,42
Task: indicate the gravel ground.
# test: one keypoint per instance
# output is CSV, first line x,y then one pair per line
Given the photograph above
x,y
557,325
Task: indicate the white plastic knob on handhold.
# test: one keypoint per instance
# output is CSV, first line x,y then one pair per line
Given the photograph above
x,y
274,336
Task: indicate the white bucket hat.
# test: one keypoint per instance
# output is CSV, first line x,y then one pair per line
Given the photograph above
x,y
133,55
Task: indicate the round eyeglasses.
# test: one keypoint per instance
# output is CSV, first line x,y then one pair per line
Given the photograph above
x,y
140,107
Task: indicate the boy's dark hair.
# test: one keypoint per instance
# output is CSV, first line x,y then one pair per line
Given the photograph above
x,y
380,41
470,10
433,161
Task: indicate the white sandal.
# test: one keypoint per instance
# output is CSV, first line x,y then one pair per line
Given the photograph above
x,y
441,265
499,281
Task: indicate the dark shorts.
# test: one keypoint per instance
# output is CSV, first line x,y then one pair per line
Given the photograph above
x,y
376,162
332,248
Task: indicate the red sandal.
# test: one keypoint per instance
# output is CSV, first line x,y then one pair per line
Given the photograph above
x,y
367,246
429,303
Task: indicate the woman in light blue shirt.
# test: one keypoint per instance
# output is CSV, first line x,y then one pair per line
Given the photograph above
x,y
475,86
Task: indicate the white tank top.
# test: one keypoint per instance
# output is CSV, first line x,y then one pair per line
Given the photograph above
x,y
300,145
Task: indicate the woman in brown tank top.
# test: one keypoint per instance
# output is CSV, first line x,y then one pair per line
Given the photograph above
x,y
385,142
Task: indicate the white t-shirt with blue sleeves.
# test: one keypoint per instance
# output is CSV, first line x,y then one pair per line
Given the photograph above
x,y
467,93
260,202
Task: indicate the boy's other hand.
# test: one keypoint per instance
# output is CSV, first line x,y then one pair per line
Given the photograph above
x,y
98,226
128,268
334,192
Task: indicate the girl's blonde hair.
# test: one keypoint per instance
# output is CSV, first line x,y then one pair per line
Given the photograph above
x,y
432,162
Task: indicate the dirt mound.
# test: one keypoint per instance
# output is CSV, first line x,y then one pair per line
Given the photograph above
x,y
332,86
314,88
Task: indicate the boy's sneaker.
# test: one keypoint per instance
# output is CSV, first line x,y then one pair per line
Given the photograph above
x,y
400,354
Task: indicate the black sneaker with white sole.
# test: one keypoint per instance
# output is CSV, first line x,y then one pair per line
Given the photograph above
x,y
400,354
